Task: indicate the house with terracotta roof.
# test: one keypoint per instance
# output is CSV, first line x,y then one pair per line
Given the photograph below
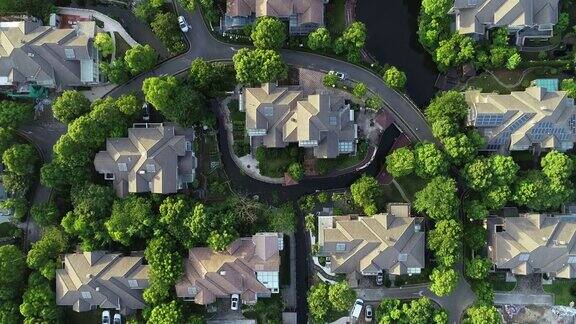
x,y
303,16
98,279
155,157
392,243
535,117
249,267
527,19
277,116
534,243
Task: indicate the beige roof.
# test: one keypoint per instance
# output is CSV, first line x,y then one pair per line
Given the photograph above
x,y
534,243
306,11
155,158
30,52
524,118
389,242
473,17
100,279
210,275
276,116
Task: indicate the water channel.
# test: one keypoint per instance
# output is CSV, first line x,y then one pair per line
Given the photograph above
x,y
392,38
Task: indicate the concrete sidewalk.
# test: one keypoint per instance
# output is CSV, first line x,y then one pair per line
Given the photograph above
x,y
523,299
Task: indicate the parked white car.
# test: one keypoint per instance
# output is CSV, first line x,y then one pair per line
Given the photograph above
x,y
234,301
183,24
357,309
379,279
369,313
105,317
341,75
117,318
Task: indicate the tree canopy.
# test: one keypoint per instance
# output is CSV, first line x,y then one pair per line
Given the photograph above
x,y
131,218
45,214
12,267
258,66
445,241
365,193
20,159
478,268
444,281
268,33
438,199
166,314
429,161
341,296
39,302
70,105
400,162
318,302
351,41
140,58
320,40
394,78
13,114
483,315
44,253
103,42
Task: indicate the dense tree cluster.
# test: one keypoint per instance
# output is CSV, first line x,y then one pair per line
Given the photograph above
x,y
268,33
324,299
70,105
426,160
366,192
320,40
351,42
44,253
417,311
39,301
104,44
258,66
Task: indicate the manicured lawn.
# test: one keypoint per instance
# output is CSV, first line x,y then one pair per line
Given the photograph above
x,y
487,83
326,166
411,185
390,194
266,310
335,17
7,229
561,290
498,282
274,162
121,45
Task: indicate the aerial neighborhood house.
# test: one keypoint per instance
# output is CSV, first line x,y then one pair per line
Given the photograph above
x,y
303,16
32,54
534,243
277,116
527,18
99,279
526,119
155,158
391,242
249,267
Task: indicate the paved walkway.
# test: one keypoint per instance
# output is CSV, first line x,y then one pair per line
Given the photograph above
x,y
110,25
501,298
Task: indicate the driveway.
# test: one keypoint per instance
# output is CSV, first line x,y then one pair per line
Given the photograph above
x,y
511,298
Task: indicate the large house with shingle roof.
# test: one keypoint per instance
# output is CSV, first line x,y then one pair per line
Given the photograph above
x,y
249,267
155,158
523,119
54,58
303,16
526,18
99,279
277,116
534,243
391,242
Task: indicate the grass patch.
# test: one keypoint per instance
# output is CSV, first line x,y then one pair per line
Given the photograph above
x,y
405,279
238,118
121,45
274,162
390,194
326,166
562,290
266,310
411,185
487,83
8,230
93,316
335,22
498,282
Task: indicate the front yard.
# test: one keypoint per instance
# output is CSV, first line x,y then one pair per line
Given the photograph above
x,y
498,282
411,185
335,22
327,166
274,162
563,291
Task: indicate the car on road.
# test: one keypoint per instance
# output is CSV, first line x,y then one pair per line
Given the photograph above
x,y
234,301
105,317
379,279
369,313
340,75
146,111
183,24
357,309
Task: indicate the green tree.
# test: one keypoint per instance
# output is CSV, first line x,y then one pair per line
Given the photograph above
x,y
258,66
140,58
144,10
43,254
39,302
395,78
45,214
440,317
400,162
438,199
12,267
92,206
320,40
103,43
445,241
444,281
456,50
444,127
7,139
351,41
419,311
478,174
283,219
117,72
475,236
449,105
475,210
17,185
175,214
296,171
365,193
478,268
10,312
131,218
504,169
268,33
18,205
164,260
569,86
128,105
318,301
341,296
495,198
513,61
557,166
389,311
166,314
484,293
202,74
165,27
330,80
20,159
483,315
310,222
562,24
220,240
429,161
462,148
13,114
70,105
534,190
359,90
436,8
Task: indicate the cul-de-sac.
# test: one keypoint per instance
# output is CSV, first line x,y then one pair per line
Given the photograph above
x,y
287,161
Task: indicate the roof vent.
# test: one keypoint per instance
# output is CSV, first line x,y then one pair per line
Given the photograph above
x,y
30,54
222,273
97,288
142,172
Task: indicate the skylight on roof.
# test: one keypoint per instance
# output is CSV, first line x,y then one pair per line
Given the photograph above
x,y
69,53
402,257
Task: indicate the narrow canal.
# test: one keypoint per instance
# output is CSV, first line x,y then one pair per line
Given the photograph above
x,y
393,39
